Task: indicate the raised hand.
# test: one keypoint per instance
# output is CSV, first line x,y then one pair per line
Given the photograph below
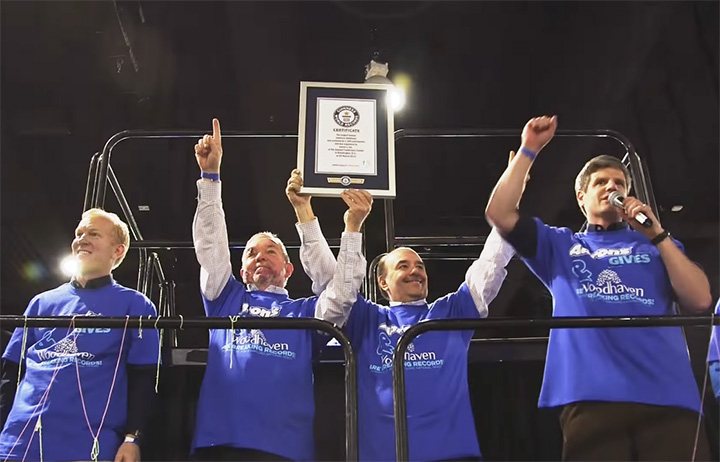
x,y
301,203
538,132
359,204
208,150
292,190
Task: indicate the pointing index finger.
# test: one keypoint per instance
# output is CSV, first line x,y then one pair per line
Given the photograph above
x,y
216,130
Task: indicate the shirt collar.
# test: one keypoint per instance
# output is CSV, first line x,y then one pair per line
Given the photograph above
x,y
413,303
592,228
271,289
93,283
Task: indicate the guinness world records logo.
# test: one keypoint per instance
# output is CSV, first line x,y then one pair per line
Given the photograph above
x,y
346,116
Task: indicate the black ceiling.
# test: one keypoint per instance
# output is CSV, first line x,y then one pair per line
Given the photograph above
x,y
75,73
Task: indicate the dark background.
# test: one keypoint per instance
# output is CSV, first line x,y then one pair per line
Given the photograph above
x,y
75,73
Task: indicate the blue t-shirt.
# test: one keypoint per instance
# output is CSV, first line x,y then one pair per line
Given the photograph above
x,y
714,348
714,356
50,386
257,392
440,419
610,273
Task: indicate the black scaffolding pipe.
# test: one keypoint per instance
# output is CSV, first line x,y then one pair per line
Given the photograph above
x,y
642,183
233,245
91,185
400,405
103,170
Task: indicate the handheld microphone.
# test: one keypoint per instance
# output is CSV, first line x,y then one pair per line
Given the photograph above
x,y
617,199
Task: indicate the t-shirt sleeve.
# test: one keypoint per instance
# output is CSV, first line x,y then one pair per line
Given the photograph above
x,y
679,244
541,263
319,338
216,307
523,237
15,346
144,344
362,315
456,305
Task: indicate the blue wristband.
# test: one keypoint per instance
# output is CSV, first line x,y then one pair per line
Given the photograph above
x,y
531,154
210,176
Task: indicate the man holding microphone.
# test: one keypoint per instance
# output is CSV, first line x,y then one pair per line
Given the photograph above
x,y
626,393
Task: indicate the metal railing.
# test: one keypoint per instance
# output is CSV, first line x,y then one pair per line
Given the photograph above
x,y
400,405
351,435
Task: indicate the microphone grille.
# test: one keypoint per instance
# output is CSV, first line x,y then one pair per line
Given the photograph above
x,y
616,198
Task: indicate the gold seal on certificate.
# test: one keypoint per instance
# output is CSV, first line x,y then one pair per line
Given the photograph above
x,y
346,139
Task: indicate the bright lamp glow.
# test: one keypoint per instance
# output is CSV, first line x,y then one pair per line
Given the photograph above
x,y
376,72
68,265
397,99
402,87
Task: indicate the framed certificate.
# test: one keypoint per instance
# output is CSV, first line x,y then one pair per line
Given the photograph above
x,y
346,138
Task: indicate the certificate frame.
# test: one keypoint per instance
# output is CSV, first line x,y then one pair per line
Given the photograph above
x,y
351,146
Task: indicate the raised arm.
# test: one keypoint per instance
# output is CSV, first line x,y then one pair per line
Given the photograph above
x,y
487,273
210,236
502,210
315,255
336,301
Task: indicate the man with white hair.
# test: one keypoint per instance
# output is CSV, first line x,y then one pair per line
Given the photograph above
x,y
84,392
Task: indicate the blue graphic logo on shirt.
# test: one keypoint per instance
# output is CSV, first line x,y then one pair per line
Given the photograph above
x,y
260,311
254,340
578,251
413,359
638,259
424,360
385,345
579,269
609,288
52,353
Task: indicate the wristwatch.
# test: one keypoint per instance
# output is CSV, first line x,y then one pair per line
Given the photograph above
x,y
659,238
133,437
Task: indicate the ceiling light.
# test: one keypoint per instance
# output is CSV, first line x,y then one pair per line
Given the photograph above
x,y
376,72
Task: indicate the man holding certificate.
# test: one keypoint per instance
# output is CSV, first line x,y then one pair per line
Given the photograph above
x,y
440,419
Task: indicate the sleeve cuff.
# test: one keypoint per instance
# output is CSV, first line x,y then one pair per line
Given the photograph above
x,y
500,250
309,231
209,191
351,241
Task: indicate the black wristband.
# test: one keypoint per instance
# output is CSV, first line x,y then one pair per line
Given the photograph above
x,y
659,238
